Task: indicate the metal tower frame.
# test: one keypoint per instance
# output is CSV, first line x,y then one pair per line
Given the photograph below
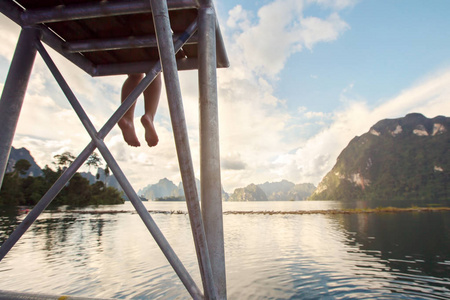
x,y
98,56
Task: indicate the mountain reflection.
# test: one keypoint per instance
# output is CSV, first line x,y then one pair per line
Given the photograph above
x,y
9,219
62,230
314,256
415,243
268,256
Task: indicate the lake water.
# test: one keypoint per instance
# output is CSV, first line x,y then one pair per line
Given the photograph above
x,y
268,256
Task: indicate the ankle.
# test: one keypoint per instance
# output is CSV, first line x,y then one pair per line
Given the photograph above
x,y
147,117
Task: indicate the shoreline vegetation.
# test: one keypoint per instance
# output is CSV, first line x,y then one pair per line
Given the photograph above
x,y
18,189
295,212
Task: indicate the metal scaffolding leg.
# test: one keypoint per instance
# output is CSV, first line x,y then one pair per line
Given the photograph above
x,y
123,181
170,72
208,240
14,92
97,141
211,189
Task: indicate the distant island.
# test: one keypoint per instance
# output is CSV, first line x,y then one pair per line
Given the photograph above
x,y
398,159
273,191
166,190
20,186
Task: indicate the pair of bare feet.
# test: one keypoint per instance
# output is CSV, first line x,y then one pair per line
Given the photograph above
x,y
129,133
151,99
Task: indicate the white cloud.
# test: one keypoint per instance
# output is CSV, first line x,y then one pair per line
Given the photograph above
x,y
314,114
256,126
280,31
261,140
232,161
314,30
318,155
336,4
238,18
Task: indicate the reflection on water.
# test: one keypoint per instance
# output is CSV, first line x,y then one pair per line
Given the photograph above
x,y
413,243
9,218
382,256
320,256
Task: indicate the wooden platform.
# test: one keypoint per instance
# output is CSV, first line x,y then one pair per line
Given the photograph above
x,y
109,37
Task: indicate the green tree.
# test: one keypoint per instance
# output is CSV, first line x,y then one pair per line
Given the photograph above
x,y
102,194
64,160
22,166
107,170
12,192
94,160
106,174
78,192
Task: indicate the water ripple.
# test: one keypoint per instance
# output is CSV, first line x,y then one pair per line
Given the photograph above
x,y
267,256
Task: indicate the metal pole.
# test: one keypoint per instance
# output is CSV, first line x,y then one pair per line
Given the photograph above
x,y
12,11
70,171
118,43
121,178
211,188
140,67
167,57
14,92
221,54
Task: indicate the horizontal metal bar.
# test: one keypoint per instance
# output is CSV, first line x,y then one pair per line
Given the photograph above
x,y
9,295
12,11
183,64
143,67
99,9
119,43
55,42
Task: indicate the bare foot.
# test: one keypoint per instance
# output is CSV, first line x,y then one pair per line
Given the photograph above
x,y
150,133
129,135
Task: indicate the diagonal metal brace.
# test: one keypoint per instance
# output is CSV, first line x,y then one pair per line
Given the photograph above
x,y
97,141
167,56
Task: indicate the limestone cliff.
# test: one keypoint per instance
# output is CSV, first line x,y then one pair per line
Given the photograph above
x,y
404,158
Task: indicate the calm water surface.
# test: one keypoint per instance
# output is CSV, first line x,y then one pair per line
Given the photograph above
x,y
361,256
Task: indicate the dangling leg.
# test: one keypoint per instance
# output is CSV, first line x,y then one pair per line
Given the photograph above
x,y
126,124
151,100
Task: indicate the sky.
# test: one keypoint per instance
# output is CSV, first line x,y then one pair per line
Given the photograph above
x,y
305,77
